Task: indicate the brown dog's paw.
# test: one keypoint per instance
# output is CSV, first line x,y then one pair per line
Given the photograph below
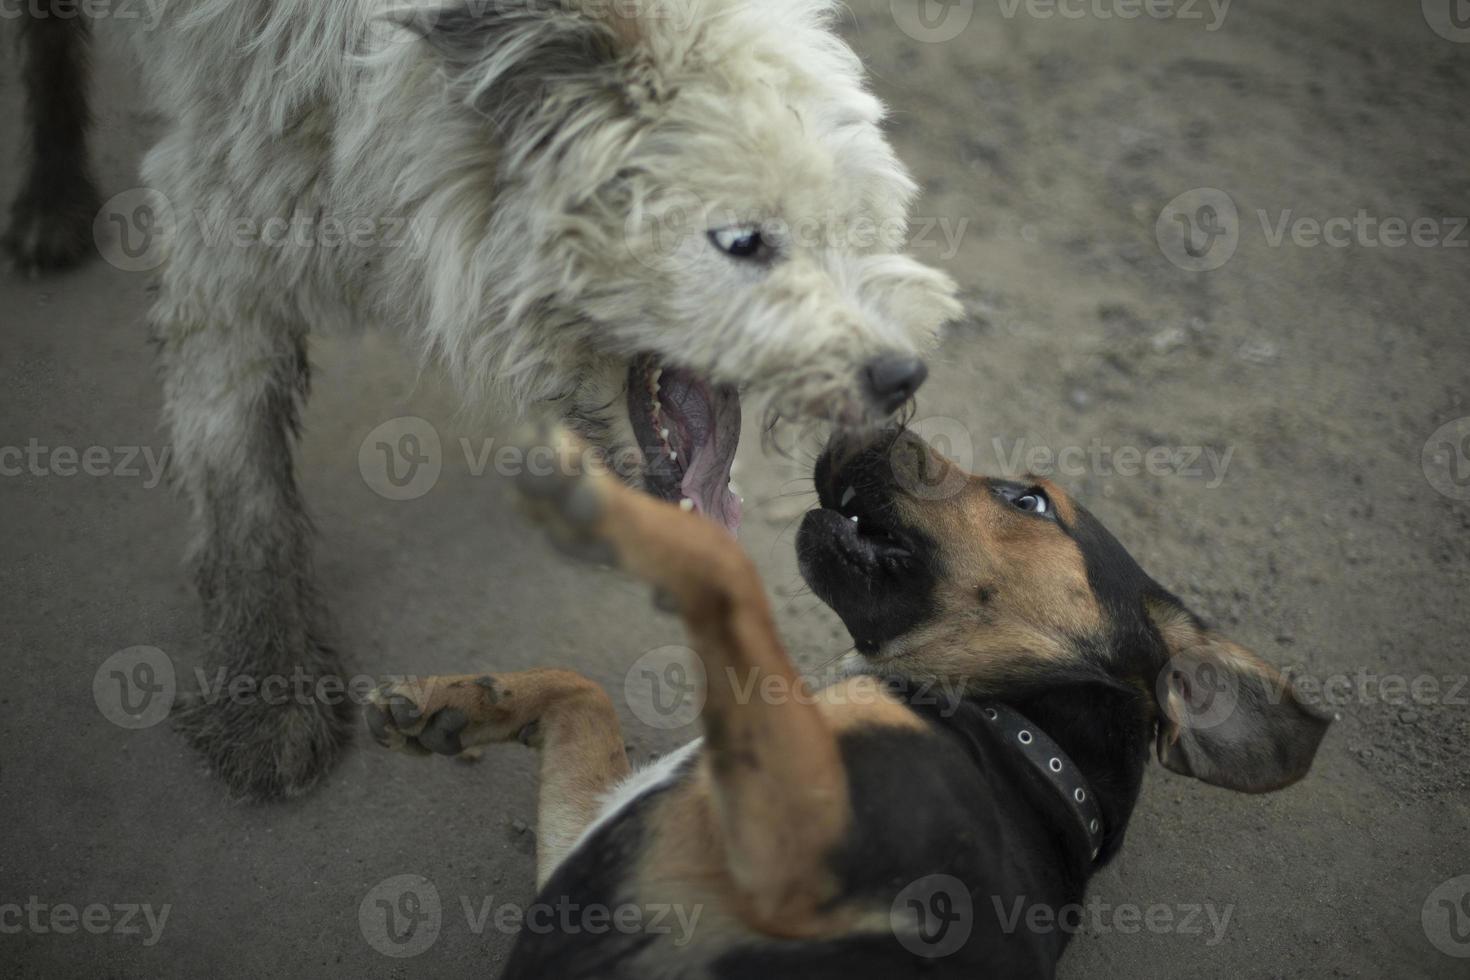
x,y
565,487
440,715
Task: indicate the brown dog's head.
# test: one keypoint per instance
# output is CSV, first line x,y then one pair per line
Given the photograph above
x,y
1006,588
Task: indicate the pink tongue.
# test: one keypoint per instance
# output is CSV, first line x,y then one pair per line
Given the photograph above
x,y
707,478
711,493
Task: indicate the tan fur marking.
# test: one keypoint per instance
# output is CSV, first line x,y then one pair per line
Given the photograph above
x,y
778,790
864,702
569,718
1014,593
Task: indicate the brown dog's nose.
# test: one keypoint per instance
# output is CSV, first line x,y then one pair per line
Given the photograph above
x,y
892,380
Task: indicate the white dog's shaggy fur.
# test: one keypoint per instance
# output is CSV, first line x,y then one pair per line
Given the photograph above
x,y
566,197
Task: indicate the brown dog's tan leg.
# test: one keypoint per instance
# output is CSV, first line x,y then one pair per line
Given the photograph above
x,y
568,717
780,791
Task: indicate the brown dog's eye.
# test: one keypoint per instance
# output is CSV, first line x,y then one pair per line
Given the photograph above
x,y
1033,502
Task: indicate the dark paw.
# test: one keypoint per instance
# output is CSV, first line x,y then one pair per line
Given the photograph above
x,y
398,722
454,716
49,232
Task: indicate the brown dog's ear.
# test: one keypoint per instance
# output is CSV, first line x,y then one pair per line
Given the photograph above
x,y
1225,716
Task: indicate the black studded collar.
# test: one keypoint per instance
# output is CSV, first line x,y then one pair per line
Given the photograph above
x,y
1032,747
1055,767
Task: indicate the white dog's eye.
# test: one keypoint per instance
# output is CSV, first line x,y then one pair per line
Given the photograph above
x,y
740,242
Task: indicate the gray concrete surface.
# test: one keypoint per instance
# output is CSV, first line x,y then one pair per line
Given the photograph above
x,y
1322,370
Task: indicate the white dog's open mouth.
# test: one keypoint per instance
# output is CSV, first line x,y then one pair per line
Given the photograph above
x,y
688,429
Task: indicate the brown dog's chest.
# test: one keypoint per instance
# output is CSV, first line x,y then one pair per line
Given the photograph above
x,y
935,823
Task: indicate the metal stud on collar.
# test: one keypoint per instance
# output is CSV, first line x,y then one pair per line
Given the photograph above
x,y
1038,749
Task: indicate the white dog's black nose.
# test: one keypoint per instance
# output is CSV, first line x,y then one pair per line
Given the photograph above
x,y
892,380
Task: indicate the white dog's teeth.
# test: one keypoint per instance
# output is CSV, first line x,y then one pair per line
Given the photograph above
x,y
853,518
847,498
734,489
686,505
664,433
674,454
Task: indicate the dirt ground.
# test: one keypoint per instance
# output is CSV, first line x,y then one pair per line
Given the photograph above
x,y
1307,500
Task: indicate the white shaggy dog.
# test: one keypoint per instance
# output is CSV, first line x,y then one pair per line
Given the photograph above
x,y
633,209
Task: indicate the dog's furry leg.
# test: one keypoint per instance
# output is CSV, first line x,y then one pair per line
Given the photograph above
x,y
565,715
779,784
51,218
233,397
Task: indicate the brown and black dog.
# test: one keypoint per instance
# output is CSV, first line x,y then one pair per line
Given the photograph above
x,y
1013,665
